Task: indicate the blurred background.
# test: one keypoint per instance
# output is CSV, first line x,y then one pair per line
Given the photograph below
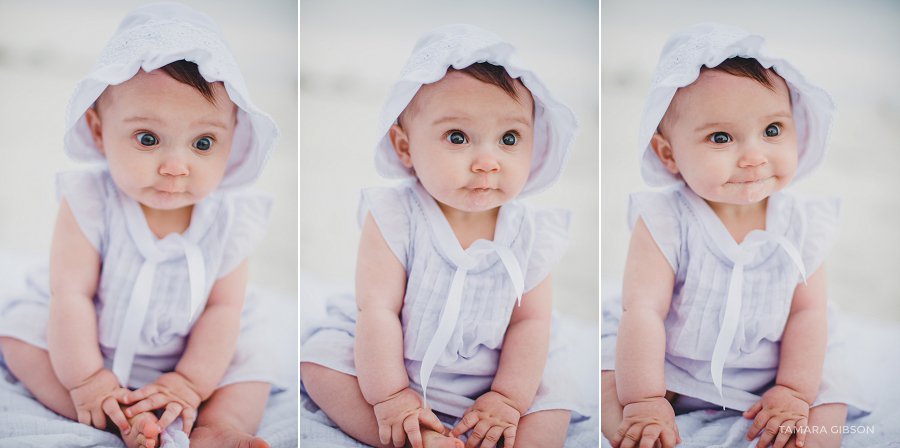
x,y
46,47
851,50
350,54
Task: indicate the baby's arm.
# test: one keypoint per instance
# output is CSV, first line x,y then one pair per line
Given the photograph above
x,y
800,365
378,345
209,350
519,372
72,326
641,344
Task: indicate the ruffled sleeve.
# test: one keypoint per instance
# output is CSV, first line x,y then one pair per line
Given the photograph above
x,y
822,225
390,209
551,237
250,220
661,215
87,193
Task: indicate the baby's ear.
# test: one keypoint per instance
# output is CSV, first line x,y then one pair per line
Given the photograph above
x,y
93,122
401,144
663,151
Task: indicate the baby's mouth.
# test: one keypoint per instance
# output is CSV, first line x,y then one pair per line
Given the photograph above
x,y
749,181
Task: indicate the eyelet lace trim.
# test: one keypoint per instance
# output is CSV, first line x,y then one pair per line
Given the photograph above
x,y
437,51
168,36
680,59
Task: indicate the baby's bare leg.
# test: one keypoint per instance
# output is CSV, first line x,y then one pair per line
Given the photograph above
x,y
826,416
31,365
230,417
338,394
544,429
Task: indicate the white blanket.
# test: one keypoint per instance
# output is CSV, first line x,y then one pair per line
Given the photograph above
x,y
24,422
317,430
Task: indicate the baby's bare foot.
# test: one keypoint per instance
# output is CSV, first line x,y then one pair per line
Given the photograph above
x,y
434,439
223,435
144,431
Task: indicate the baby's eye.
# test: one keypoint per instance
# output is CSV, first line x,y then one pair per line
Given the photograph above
x,y
773,130
147,139
457,138
509,139
720,137
203,143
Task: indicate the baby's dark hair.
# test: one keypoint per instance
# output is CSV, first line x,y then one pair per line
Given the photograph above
x,y
494,75
187,72
747,68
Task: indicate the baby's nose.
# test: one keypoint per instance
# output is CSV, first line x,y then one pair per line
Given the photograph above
x,y
485,162
751,158
173,164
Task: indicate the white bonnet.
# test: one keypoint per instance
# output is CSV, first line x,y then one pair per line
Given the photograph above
x,y
710,44
460,46
154,35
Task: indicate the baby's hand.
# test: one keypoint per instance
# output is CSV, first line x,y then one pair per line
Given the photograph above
x,y
98,397
172,390
492,415
646,422
780,411
400,415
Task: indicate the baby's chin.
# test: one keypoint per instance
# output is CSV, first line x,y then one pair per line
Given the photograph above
x,y
166,201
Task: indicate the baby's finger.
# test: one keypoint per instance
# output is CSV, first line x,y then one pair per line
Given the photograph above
x,y
632,437
768,434
668,438
758,424
468,422
140,394
509,437
173,409
478,433
187,419
413,433
492,437
112,409
784,433
427,418
397,434
150,403
750,413
649,436
84,417
620,434
801,433
99,418
384,433
677,434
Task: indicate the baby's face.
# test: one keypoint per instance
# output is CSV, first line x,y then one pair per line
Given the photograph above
x,y
166,145
732,139
469,142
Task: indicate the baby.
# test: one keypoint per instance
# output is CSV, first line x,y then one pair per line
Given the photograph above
x,y
724,301
148,266
451,267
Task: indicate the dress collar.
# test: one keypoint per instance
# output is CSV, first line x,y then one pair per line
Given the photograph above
x,y
447,242
776,225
